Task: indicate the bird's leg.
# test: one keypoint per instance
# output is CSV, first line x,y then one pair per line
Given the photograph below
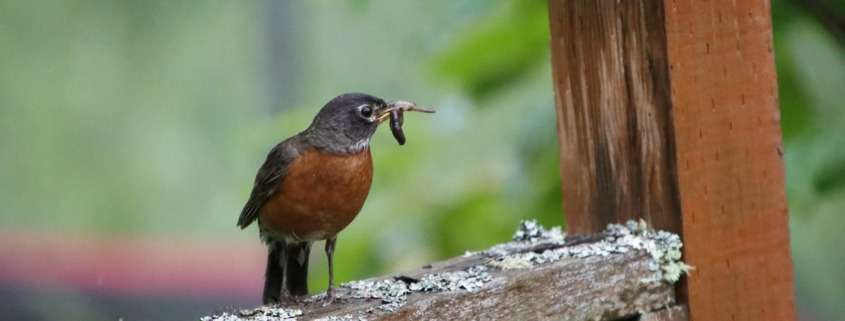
x,y
330,243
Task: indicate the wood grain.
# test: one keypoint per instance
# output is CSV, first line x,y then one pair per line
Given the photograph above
x,y
667,110
673,313
611,82
606,288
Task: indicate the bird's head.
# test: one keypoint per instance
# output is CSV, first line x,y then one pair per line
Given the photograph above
x,y
347,123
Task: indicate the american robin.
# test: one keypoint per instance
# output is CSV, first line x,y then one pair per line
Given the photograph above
x,y
312,185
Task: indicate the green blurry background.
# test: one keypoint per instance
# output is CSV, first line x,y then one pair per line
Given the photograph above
x,y
143,123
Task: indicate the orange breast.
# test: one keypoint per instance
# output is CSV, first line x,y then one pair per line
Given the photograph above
x,y
319,196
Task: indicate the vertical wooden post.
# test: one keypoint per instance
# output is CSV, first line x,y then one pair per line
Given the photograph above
x,y
667,111
614,121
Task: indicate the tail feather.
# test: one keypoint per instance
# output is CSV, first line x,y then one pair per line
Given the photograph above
x,y
274,274
296,268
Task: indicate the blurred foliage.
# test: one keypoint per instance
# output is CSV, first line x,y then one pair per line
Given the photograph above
x,y
498,48
796,107
150,118
113,114
811,75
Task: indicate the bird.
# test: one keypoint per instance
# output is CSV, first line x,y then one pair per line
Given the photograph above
x,y
312,185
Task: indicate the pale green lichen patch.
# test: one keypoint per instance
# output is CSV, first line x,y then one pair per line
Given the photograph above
x,y
529,234
264,313
393,293
471,280
348,317
663,247
531,231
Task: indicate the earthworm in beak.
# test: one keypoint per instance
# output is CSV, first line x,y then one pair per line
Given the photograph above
x,y
395,111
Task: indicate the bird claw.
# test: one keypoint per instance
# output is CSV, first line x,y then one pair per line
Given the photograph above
x,y
329,298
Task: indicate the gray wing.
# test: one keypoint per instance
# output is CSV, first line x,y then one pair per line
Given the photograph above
x,y
269,176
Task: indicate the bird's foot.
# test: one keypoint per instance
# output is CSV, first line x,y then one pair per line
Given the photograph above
x,y
329,298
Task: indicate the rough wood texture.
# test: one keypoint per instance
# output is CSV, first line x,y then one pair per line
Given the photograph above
x,y
589,283
674,313
668,110
599,288
611,82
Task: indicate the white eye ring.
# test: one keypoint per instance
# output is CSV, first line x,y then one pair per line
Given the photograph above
x,y
366,111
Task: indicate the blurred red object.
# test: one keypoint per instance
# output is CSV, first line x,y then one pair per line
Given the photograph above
x,y
130,266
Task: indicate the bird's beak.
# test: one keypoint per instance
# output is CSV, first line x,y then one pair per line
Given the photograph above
x,y
402,106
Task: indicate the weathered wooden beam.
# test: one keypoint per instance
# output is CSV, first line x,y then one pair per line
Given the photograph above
x,y
673,313
619,274
667,110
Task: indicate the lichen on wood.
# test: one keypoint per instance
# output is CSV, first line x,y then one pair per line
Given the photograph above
x,y
540,275
265,313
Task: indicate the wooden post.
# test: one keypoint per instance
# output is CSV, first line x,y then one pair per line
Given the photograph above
x,y
667,111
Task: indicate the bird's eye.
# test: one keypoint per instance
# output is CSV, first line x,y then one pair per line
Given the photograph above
x,y
366,111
